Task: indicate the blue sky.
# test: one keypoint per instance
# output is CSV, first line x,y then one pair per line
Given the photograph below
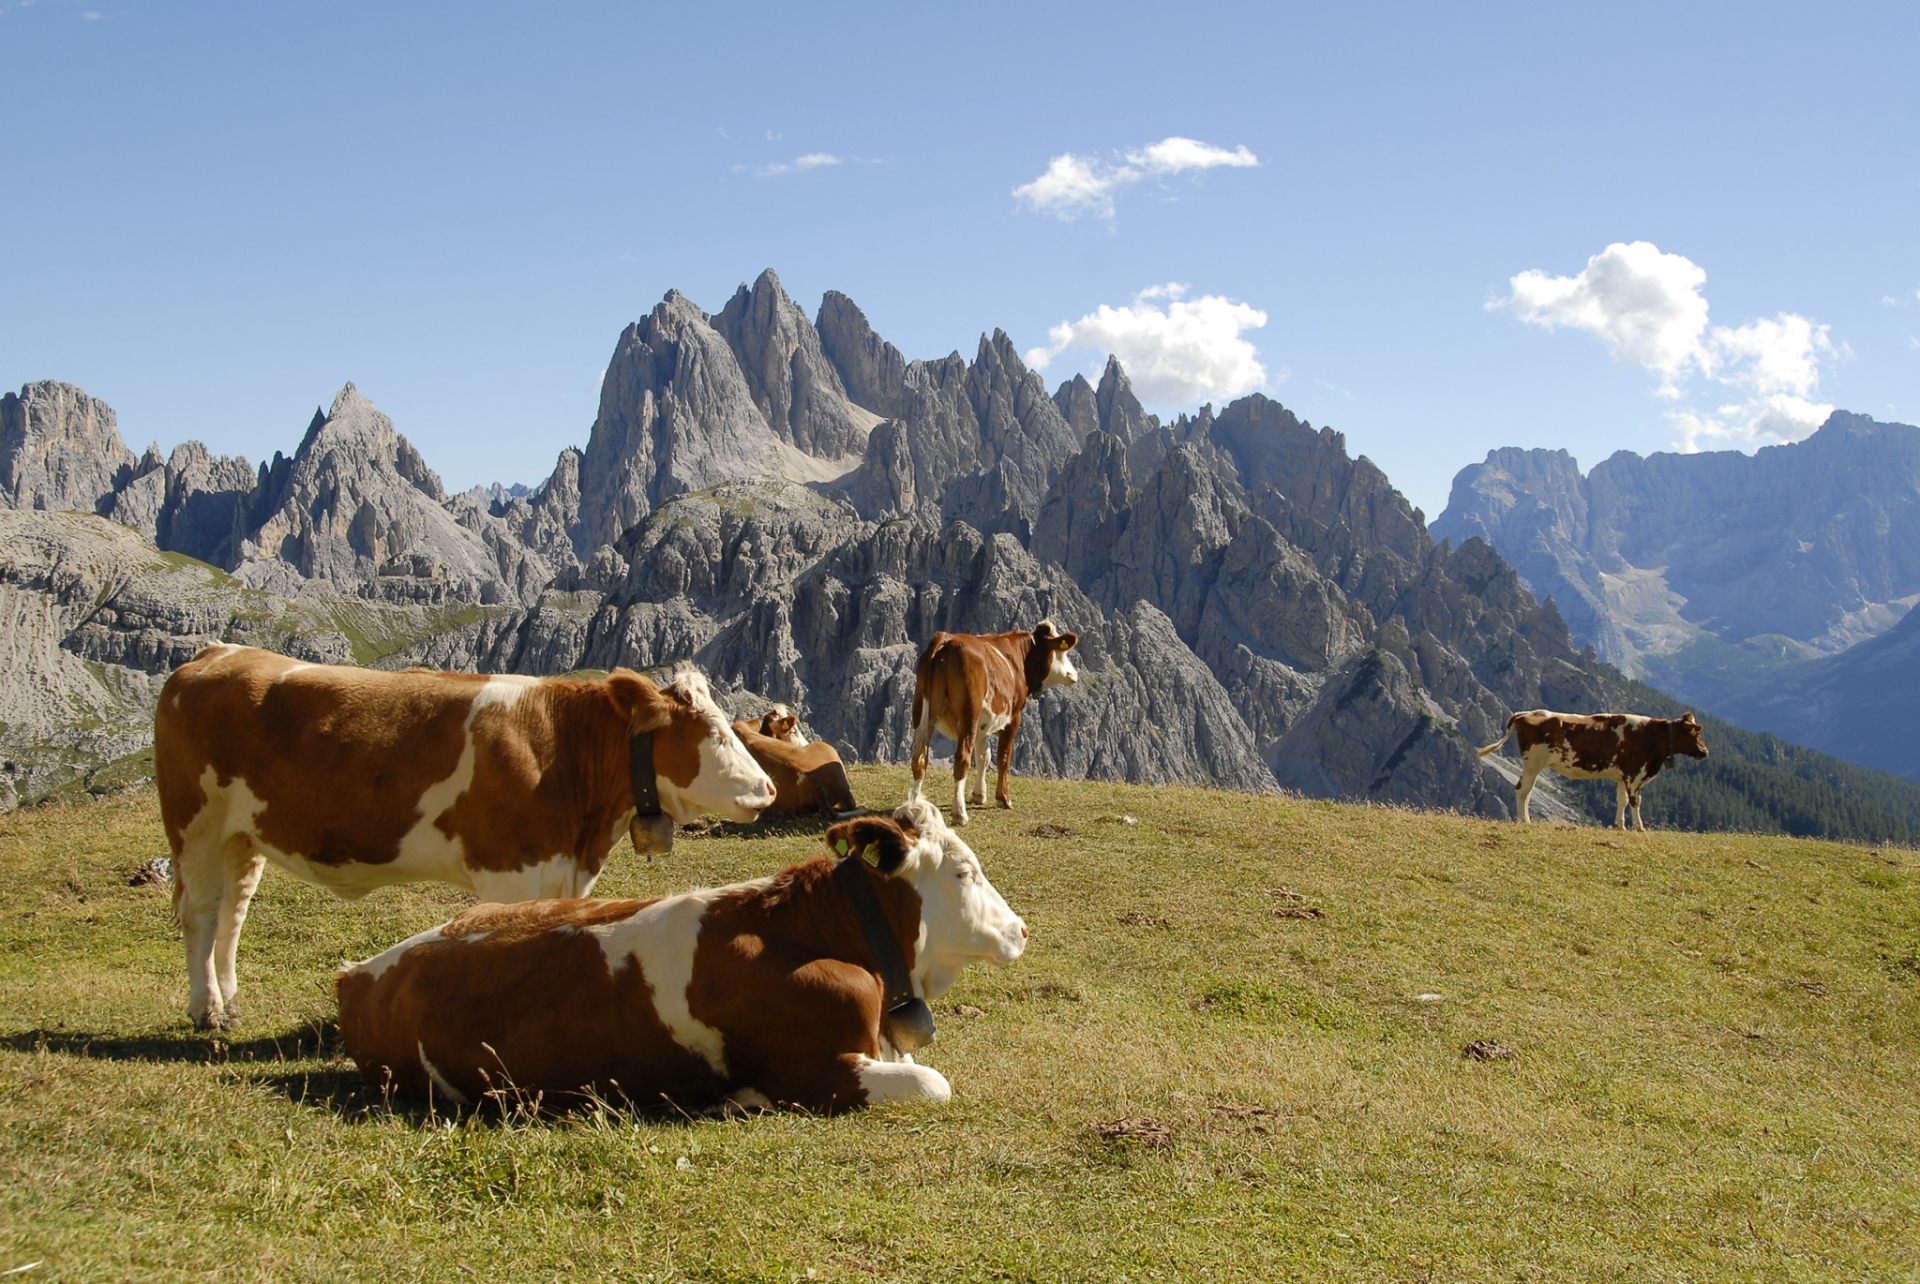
x,y
1597,228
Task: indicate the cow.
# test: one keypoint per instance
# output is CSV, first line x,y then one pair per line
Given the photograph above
x,y
779,992
970,685
777,723
514,787
1625,748
807,776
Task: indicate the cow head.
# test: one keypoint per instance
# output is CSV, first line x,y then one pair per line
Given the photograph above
x,y
1048,662
963,918
1688,736
781,723
698,763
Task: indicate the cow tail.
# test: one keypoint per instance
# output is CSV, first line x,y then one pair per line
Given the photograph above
x,y
1504,736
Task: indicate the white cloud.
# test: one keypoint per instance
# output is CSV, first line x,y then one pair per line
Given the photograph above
x,y
1189,350
812,160
1648,308
1075,185
1644,305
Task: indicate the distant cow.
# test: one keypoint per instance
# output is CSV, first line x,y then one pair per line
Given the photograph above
x,y
1625,748
807,777
970,685
777,723
763,993
354,779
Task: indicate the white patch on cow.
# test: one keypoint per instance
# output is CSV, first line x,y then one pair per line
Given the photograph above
x,y
749,1099
963,917
886,1081
728,781
440,1080
378,966
426,850
661,938
1060,671
296,667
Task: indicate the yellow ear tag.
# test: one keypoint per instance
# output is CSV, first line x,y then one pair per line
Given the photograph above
x,y
841,846
871,854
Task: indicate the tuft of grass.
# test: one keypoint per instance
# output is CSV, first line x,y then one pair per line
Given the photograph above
x,y
1694,1058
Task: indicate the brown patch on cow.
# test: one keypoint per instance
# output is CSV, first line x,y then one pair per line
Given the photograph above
x,y
1143,1129
519,999
512,1005
817,989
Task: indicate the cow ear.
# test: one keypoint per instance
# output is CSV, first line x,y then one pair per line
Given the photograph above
x,y
1066,642
1687,716
644,706
877,841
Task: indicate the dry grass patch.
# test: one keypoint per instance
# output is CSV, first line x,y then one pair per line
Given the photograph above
x,y
1715,1037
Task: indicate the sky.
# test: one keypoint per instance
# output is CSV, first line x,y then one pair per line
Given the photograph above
x,y
1438,230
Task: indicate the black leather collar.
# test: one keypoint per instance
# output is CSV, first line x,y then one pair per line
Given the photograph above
x,y
640,773
909,1019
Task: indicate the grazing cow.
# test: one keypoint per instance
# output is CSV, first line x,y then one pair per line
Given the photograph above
x,y
354,779
1625,748
807,777
969,685
806,989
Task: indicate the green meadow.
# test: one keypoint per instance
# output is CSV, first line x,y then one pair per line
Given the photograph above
x,y
1252,1039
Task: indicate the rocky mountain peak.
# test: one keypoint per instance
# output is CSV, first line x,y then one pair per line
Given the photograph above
x,y
60,449
793,385
871,370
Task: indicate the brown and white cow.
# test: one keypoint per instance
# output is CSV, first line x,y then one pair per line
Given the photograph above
x,y
971,685
807,776
1625,748
515,787
763,993
777,723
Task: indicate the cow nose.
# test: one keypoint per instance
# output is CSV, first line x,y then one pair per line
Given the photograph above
x,y
1023,931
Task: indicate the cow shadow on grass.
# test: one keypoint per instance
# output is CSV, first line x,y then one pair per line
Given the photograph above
x,y
335,1085
810,825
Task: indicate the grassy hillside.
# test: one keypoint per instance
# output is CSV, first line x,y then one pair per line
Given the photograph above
x,y
1235,1051
1754,782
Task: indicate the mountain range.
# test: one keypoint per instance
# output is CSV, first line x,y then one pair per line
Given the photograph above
x,y
798,507
1771,588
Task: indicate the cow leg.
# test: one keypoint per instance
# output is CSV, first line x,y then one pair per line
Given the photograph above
x,y
1523,790
922,746
1620,815
899,1080
1633,800
1005,756
200,878
980,736
243,870
962,764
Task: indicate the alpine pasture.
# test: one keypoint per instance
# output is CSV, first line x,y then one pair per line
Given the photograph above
x,y
1252,1039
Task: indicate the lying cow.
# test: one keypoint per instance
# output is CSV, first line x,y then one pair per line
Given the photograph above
x,y
772,992
807,777
969,685
1625,748
777,723
354,779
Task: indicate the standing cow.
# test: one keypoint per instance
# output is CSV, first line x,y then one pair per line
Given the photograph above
x,y
970,685
1625,748
806,989
515,787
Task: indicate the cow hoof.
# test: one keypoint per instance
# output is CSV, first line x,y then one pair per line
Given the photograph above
x,y
1005,804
